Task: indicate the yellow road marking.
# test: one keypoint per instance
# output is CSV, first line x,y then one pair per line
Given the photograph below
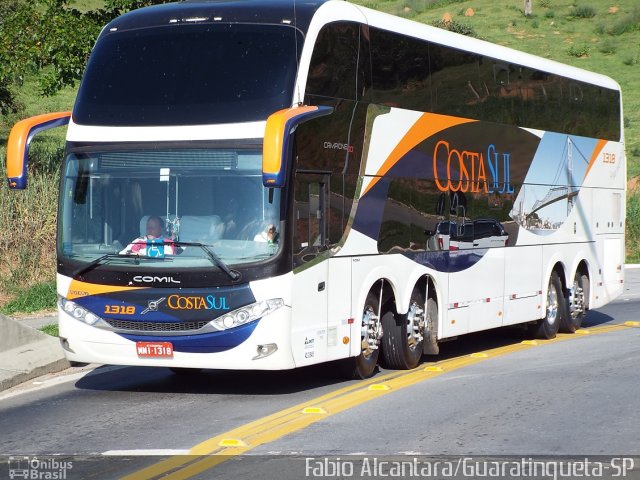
x,y
220,448
379,386
232,442
314,410
173,463
479,355
433,369
632,324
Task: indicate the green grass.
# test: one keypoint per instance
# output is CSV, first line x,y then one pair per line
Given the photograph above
x,y
633,227
41,296
50,329
28,95
583,11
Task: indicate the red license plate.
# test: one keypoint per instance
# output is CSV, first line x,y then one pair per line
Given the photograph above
x,y
154,349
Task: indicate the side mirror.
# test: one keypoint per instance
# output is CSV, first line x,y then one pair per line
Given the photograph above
x,y
19,140
277,148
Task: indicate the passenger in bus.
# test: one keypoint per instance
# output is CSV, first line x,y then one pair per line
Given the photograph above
x,y
268,235
153,244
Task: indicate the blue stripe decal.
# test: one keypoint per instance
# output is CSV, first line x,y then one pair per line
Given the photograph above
x,y
205,343
448,261
368,217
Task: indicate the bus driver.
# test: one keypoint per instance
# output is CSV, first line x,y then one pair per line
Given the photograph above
x,y
153,244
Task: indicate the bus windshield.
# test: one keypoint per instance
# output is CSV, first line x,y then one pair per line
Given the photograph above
x,y
189,75
167,208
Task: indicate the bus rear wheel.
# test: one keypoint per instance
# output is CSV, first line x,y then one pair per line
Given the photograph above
x,y
578,305
404,334
556,310
364,365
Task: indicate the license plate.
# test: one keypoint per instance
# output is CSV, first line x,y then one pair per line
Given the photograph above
x,y
154,349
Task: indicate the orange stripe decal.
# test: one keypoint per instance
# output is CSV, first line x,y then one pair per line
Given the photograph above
x,y
79,289
427,125
599,146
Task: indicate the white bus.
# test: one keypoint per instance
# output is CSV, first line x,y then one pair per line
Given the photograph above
x,y
268,185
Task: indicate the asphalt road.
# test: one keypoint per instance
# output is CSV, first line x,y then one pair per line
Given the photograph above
x,y
574,397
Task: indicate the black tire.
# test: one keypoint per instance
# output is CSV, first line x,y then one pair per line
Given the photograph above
x,y
364,365
430,343
557,309
403,338
578,305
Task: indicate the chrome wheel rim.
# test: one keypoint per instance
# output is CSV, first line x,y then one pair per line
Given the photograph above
x,y
371,332
552,304
415,325
577,300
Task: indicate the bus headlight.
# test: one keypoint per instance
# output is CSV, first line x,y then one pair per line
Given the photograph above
x,y
78,312
247,314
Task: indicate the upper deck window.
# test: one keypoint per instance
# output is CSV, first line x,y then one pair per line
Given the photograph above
x,y
189,75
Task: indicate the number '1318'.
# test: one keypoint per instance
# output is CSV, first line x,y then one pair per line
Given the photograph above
x,y
120,309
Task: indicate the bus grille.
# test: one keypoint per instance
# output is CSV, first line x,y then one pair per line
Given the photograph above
x,y
156,326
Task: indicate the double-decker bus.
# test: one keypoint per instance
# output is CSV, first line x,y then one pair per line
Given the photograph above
x,y
273,184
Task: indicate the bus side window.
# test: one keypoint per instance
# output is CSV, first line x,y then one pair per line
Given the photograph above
x,y
334,71
400,71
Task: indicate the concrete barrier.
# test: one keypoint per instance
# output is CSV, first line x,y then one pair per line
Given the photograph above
x,y
26,353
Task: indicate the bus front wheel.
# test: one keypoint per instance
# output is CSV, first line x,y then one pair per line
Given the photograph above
x,y
364,365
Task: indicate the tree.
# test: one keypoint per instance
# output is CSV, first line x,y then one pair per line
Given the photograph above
x,y
51,40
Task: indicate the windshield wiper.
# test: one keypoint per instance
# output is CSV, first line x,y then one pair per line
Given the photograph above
x,y
215,259
109,256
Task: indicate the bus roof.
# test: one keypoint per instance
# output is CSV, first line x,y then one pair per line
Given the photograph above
x,y
234,11
301,13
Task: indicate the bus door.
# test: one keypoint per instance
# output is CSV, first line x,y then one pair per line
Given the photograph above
x,y
322,305
311,268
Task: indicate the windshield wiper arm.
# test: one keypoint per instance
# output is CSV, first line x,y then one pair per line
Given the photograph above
x,y
108,256
98,261
213,256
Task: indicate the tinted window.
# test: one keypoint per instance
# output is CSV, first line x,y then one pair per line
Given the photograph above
x,y
419,75
454,82
339,65
400,71
191,74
